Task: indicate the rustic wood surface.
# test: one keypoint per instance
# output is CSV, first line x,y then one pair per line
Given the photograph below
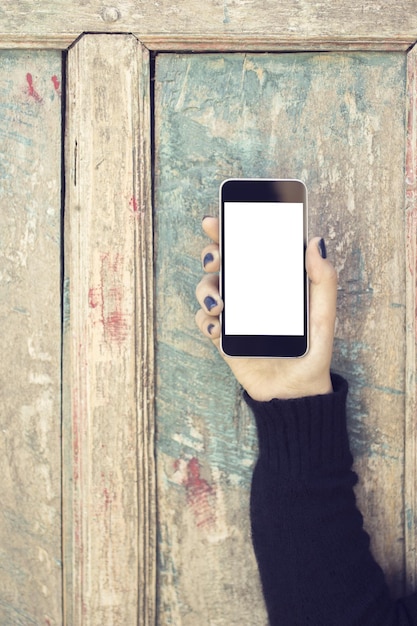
x,y
108,341
410,470
336,121
30,381
213,25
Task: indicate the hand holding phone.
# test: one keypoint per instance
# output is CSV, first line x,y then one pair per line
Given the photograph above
x,y
267,378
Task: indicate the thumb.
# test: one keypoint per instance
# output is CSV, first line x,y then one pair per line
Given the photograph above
x,y
323,292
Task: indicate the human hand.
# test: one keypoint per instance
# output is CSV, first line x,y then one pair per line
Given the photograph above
x,y
267,378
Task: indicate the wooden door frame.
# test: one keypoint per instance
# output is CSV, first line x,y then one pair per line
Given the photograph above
x,y
217,26
100,338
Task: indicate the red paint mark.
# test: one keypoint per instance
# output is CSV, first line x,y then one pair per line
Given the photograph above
x,y
200,495
114,319
93,298
134,204
115,325
56,83
31,89
107,498
111,300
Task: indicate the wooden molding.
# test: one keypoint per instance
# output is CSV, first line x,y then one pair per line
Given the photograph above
x,y
252,25
175,42
108,452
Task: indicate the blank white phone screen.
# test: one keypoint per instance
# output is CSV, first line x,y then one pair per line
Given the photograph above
x,y
264,268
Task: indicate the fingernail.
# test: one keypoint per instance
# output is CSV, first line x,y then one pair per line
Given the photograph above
x,y
210,328
322,249
209,303
208,259
205,217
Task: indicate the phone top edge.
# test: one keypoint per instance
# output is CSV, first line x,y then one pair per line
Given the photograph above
x,y
266,179
230,187
261,178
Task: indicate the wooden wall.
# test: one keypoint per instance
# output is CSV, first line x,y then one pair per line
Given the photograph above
x,y
96,524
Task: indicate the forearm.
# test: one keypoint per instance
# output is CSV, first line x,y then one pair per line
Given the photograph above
x,y
313,554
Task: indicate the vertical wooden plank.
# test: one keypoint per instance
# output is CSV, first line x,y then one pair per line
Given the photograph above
x,y
410,470
336,121
108,383
30,387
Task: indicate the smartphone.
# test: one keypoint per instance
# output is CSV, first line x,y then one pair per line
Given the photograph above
x,y
263,280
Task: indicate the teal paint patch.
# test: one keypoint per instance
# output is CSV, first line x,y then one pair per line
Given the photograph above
x,y
21,310
410,519
226,19
251,114
389,390
196,408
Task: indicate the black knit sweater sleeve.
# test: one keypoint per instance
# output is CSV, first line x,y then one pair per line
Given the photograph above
x,y
313,554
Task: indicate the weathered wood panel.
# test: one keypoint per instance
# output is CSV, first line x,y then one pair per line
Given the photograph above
x,y
217,25
30,386
336,121
108,382
410,495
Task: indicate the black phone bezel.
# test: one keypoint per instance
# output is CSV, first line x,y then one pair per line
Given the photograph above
x,y
263,190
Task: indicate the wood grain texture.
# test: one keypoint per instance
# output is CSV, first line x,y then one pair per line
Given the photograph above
x,y
30,386
263,25
410,496
336,121
109,505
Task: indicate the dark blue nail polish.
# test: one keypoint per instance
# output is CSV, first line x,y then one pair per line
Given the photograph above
x,y
209,303
208,259
322,249
210,328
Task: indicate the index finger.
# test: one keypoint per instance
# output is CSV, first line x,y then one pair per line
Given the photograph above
x,y
211,227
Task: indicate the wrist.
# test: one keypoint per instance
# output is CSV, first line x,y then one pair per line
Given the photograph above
x,y
291,389
320,387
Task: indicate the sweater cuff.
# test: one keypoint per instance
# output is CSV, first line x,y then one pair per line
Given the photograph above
x,y
304,435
